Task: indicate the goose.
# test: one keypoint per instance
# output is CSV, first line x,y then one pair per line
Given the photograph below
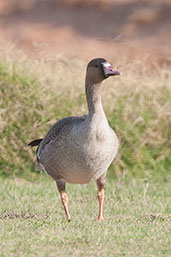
x,y
79,150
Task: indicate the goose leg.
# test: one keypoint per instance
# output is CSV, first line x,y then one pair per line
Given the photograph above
x,y
100,195
64,197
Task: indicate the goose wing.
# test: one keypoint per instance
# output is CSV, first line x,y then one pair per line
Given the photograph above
x,y
57,132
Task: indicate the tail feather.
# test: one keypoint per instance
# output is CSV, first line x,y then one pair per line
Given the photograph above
x,y
35,142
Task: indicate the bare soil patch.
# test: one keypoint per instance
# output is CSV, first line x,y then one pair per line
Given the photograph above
x,y
89,28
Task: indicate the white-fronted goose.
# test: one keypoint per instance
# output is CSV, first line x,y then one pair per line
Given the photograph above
x,y
79,150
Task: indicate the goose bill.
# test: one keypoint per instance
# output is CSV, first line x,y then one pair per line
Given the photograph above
x,y
109,70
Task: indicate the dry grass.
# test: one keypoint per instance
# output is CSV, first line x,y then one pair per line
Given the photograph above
x,y
37,92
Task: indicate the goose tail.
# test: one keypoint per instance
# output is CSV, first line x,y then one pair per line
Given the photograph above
x,y
35,142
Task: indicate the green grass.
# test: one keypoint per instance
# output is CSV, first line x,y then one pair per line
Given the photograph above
x,y
35,93
137,219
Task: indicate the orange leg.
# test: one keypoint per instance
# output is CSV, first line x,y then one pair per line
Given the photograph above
x,y
64,199
100,196
101,183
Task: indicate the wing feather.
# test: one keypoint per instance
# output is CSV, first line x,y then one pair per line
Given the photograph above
x,y
58,130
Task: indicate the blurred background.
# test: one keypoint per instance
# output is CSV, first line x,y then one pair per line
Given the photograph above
x,y
89,28
44,49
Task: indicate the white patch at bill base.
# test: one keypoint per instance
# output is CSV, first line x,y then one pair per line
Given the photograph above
x,y
106,64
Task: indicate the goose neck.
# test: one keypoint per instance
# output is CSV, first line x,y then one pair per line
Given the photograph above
x,y
93,95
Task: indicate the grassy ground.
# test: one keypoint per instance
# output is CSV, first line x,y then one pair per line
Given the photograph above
x,y
34,93
137,219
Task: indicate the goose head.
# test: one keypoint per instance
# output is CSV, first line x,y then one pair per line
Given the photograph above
x,y
99,69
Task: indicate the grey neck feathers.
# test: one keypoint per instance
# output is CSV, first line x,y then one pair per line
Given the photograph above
x,y
93,95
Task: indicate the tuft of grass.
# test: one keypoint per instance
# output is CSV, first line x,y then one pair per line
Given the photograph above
x,y
137,219
35,93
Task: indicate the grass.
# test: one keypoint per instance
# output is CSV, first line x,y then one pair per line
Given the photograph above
x,y
35,93
137,219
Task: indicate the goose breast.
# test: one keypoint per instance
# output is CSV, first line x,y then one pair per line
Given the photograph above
x,y
86,151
